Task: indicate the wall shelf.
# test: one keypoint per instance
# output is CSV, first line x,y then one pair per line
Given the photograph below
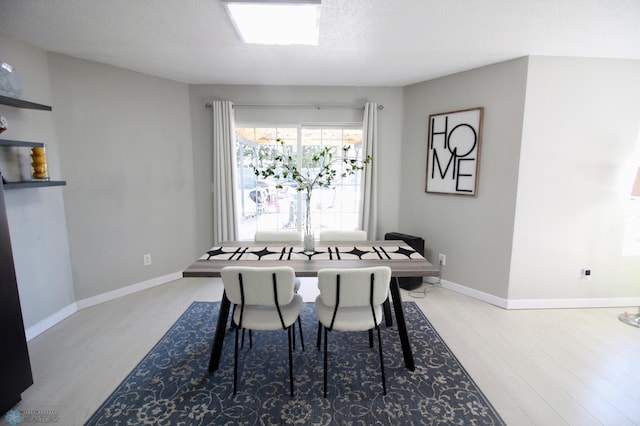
x,y
19,103
33,184
9,142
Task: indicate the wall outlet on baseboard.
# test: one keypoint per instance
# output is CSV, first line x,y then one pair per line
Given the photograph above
x,y
147,259
442,258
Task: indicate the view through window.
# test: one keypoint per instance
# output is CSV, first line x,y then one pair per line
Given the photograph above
x,y
263,206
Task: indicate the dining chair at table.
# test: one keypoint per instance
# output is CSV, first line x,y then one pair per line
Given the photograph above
x,y
351,299
342,235
280,236
263,298
351,236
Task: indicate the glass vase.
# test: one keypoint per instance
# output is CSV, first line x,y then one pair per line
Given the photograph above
x,y
309,239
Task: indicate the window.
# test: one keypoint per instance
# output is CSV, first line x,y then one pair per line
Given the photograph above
x,y
264,206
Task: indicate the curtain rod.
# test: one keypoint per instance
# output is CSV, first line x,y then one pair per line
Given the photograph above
x,y
294,106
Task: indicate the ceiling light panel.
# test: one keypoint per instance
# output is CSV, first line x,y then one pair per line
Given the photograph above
x,y
275,22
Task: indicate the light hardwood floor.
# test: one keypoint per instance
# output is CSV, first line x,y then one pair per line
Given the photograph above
x,y
537,367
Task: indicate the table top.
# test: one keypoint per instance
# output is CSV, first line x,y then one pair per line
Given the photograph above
x,y
403,260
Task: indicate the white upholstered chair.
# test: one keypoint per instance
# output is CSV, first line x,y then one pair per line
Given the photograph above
x,y
351,300
279,236
263,299
342,235
339,235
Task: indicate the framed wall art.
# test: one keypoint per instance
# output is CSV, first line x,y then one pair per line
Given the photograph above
x,y
453,152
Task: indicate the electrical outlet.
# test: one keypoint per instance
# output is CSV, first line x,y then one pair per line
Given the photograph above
x,y
442,258
586,274
147,259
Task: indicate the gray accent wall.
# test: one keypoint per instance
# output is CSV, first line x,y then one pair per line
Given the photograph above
x,y
475,233
389,138
125,149
37,221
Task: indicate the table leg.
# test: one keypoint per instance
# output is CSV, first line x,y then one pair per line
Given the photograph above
x,y
218,338
386,306
402,325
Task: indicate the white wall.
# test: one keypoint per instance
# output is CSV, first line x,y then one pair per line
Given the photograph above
x,y
389,128
475,233
578,158
36,216
125,150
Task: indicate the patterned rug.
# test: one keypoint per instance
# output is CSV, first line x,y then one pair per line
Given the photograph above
x,y
171,384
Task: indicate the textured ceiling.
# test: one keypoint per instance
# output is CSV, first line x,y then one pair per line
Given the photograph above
x,y
362,42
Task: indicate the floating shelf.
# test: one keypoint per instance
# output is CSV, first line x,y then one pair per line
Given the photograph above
x,y
33,184
9,142
19,103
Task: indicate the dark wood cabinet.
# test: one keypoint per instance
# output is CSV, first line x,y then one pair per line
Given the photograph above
x,y
15,367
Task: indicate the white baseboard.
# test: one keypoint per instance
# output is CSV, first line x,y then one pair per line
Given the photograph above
x,y
71,309
50,321
125,291
476,294
613,302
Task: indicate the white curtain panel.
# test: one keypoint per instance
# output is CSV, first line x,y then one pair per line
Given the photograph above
x,y
369,215
224,172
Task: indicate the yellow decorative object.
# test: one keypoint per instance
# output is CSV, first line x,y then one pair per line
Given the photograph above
x,y
39,163
39,168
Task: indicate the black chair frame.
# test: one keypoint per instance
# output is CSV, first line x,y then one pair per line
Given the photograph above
x,y
330,328
290,332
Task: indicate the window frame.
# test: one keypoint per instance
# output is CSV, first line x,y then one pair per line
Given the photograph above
x,y
299,201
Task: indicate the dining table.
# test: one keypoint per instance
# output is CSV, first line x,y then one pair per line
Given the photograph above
x,y
402,259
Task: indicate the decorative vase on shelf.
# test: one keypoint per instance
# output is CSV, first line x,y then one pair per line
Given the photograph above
x,y
309,239
39,163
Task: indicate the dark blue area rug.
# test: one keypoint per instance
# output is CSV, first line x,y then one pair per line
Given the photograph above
x,y
171,385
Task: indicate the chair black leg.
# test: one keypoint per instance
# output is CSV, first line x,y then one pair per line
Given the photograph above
x,y
301,338
290,333
242,339
293,326
370,338
319,337
325,361
235,365
384,382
